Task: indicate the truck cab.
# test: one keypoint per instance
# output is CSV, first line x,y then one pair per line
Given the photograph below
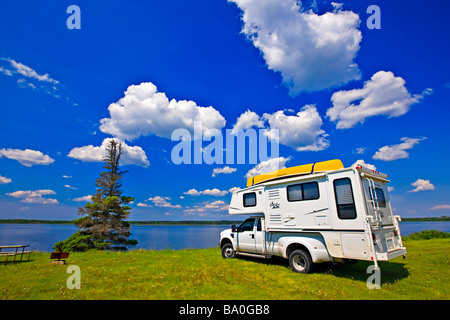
x,y
245,238
251,238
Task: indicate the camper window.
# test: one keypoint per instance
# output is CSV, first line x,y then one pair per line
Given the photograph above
x,y
344,198
310,191
250,199
303,191
380,197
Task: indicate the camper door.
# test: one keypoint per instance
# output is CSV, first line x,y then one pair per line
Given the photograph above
x,y
378,203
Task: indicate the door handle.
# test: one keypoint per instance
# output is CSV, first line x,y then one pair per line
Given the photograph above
x,y
253,236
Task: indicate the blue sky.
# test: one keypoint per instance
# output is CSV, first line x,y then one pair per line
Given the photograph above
x,y
313,70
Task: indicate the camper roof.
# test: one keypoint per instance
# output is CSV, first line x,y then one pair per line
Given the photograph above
x,y
371,173
307,169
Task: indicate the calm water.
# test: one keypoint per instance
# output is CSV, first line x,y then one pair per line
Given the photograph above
x,y
41,237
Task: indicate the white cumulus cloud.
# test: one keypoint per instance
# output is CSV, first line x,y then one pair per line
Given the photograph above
x,y
233,189
301,131
26,157
396,151
224,170
4,180
441,207
34,196
422,185
247,120
364,164
132,154
162,202
211,192
143,111
208,207
83,199
384,94
267,166
312,52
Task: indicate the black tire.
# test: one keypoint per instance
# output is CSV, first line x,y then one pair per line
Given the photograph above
x,y
301,262
228,251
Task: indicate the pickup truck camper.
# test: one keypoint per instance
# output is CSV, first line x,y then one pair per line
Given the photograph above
x,y
321,212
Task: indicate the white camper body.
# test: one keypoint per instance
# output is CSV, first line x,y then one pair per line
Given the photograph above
x,y
340,215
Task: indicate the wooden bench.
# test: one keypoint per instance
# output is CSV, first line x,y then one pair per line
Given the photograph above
x,y
13,253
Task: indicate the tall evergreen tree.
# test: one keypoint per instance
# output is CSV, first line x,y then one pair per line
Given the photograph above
x,y
103,223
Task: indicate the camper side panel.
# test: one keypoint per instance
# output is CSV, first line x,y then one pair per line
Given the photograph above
x,y
297,205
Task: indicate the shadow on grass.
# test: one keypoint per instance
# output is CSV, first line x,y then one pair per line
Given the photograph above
x,y
3,262
391,272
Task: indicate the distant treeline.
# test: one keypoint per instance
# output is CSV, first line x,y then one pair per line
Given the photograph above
x,y
29,221
188,222
441,218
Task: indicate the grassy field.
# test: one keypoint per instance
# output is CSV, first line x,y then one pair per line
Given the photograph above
x,y
204,274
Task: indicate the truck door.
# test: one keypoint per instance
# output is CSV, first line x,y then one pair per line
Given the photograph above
x,y
246,236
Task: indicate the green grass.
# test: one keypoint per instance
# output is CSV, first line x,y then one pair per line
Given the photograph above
x,y
204,274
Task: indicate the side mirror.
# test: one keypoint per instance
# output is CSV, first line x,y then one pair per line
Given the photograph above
x,y
233,228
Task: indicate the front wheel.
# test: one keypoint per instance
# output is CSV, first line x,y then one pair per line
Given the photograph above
x,y
300,261
228,251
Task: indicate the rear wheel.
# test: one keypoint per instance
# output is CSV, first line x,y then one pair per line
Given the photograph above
x,y
228,251
300,261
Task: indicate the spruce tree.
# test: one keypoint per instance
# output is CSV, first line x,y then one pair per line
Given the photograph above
x,y
103,223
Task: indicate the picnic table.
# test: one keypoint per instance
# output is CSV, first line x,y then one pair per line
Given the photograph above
x,y
14,250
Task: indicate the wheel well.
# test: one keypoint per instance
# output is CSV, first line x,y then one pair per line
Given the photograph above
x,y
224,241
295,246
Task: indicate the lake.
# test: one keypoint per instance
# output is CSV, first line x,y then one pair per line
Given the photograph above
x,y
41,237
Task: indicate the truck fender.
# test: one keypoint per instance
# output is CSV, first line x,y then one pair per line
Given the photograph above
x,y
228,240
315,246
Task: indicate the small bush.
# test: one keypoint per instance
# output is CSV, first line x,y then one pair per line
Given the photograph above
x,y
76,242
427,234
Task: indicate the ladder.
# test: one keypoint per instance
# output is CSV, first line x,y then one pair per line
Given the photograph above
x,y
372,249
374,202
